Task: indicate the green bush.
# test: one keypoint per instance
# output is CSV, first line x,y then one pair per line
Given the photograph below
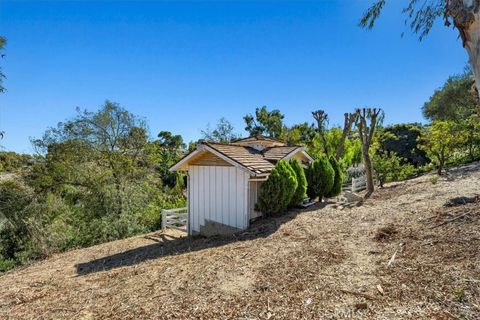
x,y
388,167
320,178
338,179
277,192
301,191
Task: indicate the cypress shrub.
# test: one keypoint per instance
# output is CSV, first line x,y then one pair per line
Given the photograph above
x,y
338,179
277,192
301,191
320,178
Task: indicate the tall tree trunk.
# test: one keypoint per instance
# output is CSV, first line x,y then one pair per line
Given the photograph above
x,y
472,45
367,162
466,18
347,127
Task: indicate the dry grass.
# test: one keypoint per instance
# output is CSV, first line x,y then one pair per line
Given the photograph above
x,y
324,263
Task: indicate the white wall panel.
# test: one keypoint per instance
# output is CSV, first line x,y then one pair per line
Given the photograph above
x,y
220,194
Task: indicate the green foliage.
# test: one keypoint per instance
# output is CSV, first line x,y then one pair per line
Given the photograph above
x,y
434,179
276,193
470,128
440,141
299,134
402,139
224,132
453,101
421,16
352,153
320,178
15,230
301,191
164,153
98,179
338,178
14,162
388,166
268,123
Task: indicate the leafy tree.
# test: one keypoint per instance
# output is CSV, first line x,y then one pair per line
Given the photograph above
x,y
320,178
402,139
367,121
352,151
15,230
338,178
112,137
440,141
224,132
13,162
421,16
388,166
301,191
470,128
321,118
164,153
276,193
300,134
453,101
268,123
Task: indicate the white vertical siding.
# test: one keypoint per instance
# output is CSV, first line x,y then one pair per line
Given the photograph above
x,y
220,194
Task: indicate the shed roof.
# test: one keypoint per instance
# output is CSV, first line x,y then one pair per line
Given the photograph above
x,y
256,162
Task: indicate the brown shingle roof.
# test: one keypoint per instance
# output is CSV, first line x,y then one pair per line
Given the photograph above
x,y
277,153
266,141
254,160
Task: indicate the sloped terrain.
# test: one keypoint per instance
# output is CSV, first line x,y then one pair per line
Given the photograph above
x,y
412,251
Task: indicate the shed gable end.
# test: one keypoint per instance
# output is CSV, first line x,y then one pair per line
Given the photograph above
x,y
209,159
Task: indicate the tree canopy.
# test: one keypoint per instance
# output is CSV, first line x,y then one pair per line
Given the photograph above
x,y
453,101
268,123
224,132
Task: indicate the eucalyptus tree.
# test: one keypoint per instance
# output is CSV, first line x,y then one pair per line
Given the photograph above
x,y
3,41
463,15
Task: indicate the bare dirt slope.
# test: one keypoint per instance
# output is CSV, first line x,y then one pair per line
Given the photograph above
x,y
324,263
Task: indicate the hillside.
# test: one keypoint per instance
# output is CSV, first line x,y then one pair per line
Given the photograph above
x,y
326,262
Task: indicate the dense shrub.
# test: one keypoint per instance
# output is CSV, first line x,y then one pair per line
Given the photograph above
x,y
15,231
301,191
388,167
338,179
402,139
320,178
277,192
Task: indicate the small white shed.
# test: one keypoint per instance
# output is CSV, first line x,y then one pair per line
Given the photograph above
x,y
224,181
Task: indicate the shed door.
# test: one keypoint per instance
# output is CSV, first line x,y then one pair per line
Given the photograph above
x,y
254,191
218,193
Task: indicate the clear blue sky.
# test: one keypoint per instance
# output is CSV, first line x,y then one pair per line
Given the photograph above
x,y
182,64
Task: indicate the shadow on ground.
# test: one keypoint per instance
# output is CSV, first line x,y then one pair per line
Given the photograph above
x,y
167,245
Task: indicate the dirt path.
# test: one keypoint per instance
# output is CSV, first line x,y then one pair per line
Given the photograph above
x,y
323,263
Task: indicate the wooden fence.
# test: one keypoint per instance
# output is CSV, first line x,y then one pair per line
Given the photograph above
x,y
356,184
175,219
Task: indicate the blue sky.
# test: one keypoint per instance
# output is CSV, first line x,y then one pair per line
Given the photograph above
x,y
181,65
